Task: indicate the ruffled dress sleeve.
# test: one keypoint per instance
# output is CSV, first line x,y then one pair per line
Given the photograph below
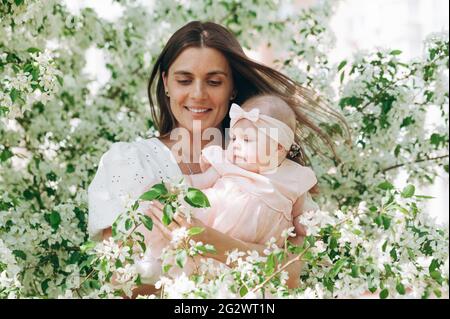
x,y
126,171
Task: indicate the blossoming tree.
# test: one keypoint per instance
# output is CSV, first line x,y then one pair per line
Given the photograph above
x,y
368,236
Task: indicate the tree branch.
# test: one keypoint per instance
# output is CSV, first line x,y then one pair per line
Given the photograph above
x,y
416,161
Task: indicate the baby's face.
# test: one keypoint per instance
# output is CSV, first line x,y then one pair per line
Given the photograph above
x,y
250,149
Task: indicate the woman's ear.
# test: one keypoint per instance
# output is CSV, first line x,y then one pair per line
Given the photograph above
x,y
233,94
164,77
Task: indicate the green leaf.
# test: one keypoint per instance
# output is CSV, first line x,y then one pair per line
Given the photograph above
x,y
386,221
341,65
243,291
433,265
14,95
44,285
54,219
128,224
400,288
87,246
147,221
384,293
135,206
138,280
195,231
355,271
210,248
196,198
154,193
437,292
33,50
4,111
270,264
393,254
436,275
5,155
396,52
378,220
94,284
166,268
341,78
143,246
20,254
372,289
167,214
181,258
425,197
408,191
397,150
385,186
336,268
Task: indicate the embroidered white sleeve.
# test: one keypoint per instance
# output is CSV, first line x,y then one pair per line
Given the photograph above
x,y
125,172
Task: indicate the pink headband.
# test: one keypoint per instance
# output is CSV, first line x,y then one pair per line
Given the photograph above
x,y
270,126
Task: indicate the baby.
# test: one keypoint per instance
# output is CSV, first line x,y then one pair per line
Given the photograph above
x,y
254,190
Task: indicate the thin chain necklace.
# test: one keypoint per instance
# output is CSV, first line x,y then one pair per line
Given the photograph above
x,y
189,168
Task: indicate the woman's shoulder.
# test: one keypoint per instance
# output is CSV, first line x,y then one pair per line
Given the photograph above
x,y
151,149
144,158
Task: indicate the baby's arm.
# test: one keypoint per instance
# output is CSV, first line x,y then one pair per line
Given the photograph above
x,y
203,180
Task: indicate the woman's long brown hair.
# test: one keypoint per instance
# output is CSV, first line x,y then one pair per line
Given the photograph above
x,y
250,79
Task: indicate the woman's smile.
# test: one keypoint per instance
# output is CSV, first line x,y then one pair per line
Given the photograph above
x,y
197,110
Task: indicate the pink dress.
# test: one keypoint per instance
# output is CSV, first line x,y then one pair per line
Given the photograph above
x,y
249,206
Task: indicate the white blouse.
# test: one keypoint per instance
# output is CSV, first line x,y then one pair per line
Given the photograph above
x,y
124,173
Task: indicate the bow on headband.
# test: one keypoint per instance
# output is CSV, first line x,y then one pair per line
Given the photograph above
x,y
237,113
270,126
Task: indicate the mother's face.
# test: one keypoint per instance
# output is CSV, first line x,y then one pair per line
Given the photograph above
x,y
199,83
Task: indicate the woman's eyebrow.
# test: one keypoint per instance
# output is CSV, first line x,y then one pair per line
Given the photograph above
x,y
182,72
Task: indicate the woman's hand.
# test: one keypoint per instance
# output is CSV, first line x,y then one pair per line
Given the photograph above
x,y
155,211
222,242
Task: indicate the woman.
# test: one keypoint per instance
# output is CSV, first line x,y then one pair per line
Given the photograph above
x,y
200,72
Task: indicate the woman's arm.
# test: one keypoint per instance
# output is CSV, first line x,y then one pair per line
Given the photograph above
x,y
224,243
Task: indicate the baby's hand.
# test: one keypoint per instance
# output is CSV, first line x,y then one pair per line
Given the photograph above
x,y
204,164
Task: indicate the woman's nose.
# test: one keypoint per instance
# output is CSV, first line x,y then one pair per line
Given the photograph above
x,y
199,90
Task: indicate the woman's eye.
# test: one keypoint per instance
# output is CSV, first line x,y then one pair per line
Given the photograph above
x,y
184,82
215,83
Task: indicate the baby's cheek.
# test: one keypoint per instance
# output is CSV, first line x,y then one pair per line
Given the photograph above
x,y
252,152
229,154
